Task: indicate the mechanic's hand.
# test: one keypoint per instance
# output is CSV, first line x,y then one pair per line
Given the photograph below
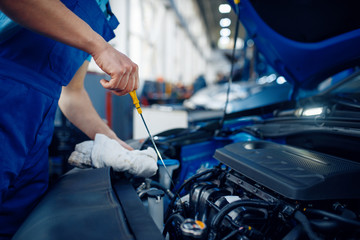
x,y
123,72
122,143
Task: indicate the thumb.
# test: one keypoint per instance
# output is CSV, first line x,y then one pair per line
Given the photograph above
x,y
104,83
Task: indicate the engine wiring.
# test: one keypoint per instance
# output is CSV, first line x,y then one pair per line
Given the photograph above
x,y
195,177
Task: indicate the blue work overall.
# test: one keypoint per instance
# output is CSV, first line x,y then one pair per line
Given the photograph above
x,y
33,69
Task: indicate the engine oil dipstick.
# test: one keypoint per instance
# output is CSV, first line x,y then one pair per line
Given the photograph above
x,y
138,108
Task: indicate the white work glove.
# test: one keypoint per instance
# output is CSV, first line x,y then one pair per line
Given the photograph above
x,y
106,152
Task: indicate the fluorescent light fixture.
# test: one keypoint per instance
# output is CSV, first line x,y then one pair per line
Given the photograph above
x,y
225,22
225,32
267,79
280,80
312,111
223,42
271,78
262,80
239,43
224,8
250,43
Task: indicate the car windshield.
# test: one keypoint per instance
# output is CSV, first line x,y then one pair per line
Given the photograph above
x,y
351,87
347,93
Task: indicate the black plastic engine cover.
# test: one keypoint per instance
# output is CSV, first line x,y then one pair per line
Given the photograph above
x,y
292,172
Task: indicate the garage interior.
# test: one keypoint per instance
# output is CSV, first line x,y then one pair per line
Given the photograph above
x,y
245,126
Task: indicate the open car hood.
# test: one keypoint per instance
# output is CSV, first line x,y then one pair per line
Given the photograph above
x,y
305,41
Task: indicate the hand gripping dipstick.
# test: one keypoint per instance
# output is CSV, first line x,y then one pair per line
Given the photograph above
x,y
138,108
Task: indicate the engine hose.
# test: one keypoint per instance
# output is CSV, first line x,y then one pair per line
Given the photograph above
x,y
173,217
143,193
230,235
160,186
328,225
294,234
196,176
299,216
333,216
247,231
215,223
190,180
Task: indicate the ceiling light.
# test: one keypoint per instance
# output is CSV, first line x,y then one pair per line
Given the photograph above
x,y
280,80
250,43
224,8
239,43
225,32
225,22
223,42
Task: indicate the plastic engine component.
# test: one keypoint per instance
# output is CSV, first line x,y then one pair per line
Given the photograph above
x,y
294,173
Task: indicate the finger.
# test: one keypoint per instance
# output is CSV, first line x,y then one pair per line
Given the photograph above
x,y
135,75
105,84
127,146
130,85
122,82
119,92
117,78
133,82
136,81
123,144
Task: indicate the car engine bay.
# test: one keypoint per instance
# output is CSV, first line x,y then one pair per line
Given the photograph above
x,y
263,190
274,172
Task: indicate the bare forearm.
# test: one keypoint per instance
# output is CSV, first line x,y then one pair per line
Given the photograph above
x,y
76,105
53,19
80,111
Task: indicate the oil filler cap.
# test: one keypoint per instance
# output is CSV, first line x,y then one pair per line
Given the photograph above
x,y
193,229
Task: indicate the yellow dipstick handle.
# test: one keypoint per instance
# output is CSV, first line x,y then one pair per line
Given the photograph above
x,y
135,101
236,1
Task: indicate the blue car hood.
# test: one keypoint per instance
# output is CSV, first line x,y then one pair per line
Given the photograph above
x,y
305,41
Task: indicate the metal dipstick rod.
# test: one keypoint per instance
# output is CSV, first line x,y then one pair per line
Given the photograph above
x,y
138,108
